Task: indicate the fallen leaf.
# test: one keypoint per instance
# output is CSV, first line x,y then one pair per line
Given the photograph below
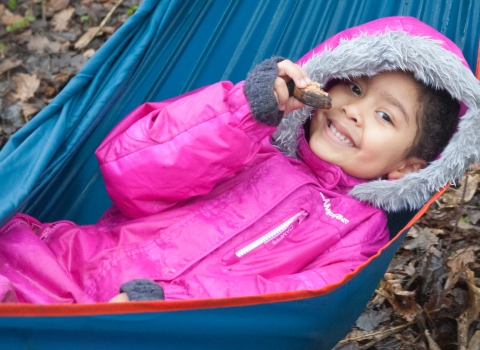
x,y
8,20
471,313
371,319
407,308
89,53
28,109
462,258
464,227
437,302
41,44
474,343
471,187
57,5
473,216
423,240
453,197
49,91
8,64
24,36
431,343
410,269
62,77
26,85
61,20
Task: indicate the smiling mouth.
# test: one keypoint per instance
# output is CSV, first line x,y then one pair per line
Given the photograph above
x,y
340,136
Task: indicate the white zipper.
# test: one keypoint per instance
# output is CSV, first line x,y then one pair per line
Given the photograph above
x,y
271,234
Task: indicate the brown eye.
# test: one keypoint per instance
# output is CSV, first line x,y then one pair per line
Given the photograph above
x,y
385,117
356,90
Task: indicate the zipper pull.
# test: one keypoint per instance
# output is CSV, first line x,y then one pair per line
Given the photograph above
x,y
268,240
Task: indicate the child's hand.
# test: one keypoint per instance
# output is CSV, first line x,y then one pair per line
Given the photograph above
x,y
287,71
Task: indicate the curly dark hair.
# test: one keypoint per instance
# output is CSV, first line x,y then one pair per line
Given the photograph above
x,y
437,121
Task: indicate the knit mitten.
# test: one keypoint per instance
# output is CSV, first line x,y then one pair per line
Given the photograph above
x,y
142,289
258,89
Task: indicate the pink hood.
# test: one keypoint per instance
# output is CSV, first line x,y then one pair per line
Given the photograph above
x,y
408,44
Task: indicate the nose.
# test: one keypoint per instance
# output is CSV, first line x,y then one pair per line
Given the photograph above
x,y
354,113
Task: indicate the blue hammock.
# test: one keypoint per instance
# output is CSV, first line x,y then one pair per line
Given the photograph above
x,y
169,47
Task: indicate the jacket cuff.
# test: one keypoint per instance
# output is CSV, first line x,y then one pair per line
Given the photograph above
x,y
258,89
142,289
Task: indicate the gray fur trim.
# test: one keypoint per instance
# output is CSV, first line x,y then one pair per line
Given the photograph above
x,y
258,89
430,63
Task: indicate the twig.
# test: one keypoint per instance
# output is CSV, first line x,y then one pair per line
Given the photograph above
x,y
44,11
459,210
102,24
369,335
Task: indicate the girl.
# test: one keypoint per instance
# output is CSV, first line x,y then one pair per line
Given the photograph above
x,y
206,206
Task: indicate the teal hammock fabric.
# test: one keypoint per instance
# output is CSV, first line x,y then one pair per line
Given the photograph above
x,y
166,48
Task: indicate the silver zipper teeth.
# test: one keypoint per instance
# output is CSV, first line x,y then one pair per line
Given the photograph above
x,y
265,238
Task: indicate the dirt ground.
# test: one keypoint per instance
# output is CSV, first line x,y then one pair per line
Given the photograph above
x,y
430,296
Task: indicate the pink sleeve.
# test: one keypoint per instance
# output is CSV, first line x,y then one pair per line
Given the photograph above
x,y
167,152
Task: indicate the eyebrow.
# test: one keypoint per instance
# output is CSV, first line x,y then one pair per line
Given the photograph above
x,y
397,104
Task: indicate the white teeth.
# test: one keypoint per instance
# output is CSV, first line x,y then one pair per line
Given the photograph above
x,y
340,136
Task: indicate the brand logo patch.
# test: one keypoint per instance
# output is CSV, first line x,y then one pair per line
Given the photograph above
x,y
328,211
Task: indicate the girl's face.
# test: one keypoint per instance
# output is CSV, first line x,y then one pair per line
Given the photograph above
x,y
370,127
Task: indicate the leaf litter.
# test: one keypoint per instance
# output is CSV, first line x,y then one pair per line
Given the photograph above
x,y
429,297
431,290
39,53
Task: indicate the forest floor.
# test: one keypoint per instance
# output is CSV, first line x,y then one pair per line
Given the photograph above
x,y
430,296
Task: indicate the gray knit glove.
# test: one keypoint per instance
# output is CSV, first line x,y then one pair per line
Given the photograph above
x,y
258,89
142,289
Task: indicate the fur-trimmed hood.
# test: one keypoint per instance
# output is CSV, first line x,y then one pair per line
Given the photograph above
x,y
399,43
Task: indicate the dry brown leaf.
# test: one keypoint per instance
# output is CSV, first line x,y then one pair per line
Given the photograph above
x,y
431,343
474,343
28,109
89,53
49,91
462,258
423,240
472,184
62,77
57,5
471,313
41,43
8,20
26,85
8,64
407,308
62,19
402,301
453,197
457,264
24,36
464,227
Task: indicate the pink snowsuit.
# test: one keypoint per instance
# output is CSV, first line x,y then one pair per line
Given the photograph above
x,y
207,208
